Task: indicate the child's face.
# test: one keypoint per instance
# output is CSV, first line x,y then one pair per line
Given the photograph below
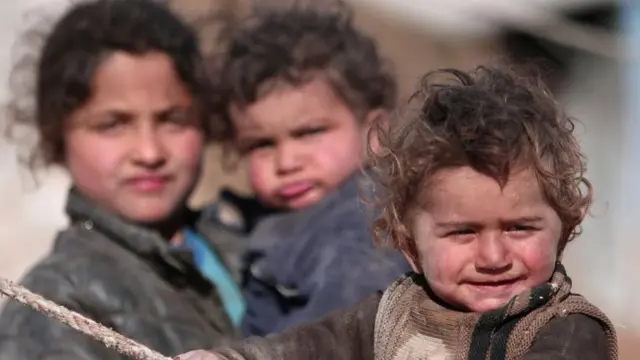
x,y
479,245
299,143
135,147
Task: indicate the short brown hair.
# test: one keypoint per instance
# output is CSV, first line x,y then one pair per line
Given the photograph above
x,y
493,119
295,45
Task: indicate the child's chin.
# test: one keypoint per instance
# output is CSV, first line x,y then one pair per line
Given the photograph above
x,y
307,200
485,305
151,215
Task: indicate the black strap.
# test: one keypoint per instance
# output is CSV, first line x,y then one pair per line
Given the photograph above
x,y
494,328
483,333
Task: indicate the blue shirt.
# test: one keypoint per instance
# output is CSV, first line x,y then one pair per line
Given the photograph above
x,y
212,268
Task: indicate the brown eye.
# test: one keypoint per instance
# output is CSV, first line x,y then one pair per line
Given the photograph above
x,y
521,228
178,117
521,231
257,145
460,232
310,131
110,123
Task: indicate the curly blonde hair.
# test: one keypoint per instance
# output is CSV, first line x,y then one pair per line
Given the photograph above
x,y
493,119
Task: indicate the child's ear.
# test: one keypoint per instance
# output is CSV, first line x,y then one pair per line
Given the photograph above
x,y
375,121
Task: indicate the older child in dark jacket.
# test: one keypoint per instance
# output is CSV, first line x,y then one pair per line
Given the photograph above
x,y
122,103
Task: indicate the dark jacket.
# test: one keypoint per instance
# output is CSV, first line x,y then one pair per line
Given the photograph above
x,y
349,335
303,264
229,221
123,276
409,321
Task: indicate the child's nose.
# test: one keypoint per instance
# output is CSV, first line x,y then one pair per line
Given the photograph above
x,y
492,255
148,150
288,158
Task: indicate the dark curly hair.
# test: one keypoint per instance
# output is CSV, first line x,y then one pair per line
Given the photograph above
x,y
74,49
294,45
495,120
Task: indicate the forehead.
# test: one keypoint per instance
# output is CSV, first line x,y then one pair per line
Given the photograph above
x,y
463,192
130,81
287,106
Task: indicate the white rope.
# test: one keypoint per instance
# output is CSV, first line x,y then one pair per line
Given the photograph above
x,y
106,336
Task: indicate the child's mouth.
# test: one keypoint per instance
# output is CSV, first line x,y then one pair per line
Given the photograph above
x,y
295,190
495,286
148,184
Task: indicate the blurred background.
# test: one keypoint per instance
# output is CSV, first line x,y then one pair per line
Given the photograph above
x,y
590,49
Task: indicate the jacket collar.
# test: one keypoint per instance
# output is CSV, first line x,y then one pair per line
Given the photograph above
x,y
142,241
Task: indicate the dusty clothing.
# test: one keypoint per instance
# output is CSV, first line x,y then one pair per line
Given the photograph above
x,y
121,275
237,212
230,220
407,323
434,331
302,265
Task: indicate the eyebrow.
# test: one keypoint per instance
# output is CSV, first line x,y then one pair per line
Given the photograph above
x,y
253,136
459,224
456,224
300,125
312,120
124,110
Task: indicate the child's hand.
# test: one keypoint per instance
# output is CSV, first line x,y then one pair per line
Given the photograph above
x,y
198,355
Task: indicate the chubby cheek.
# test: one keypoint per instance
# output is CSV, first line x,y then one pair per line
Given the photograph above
x,y
187,151
337,158
443,265
261,178
93,165
539,258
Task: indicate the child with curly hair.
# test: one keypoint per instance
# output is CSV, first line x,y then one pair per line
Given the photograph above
x,y
122,102
298,89
484,188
